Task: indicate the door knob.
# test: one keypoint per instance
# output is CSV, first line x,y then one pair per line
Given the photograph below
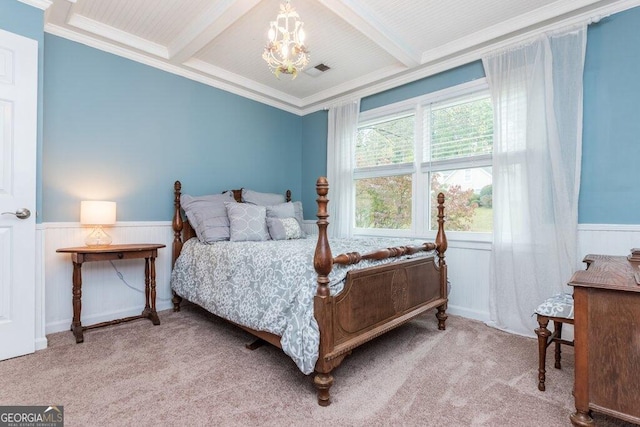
x,y
22,213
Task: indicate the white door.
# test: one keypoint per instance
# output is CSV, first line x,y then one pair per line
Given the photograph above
x,y
18,129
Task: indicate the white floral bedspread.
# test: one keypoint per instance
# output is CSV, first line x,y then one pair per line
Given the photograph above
x,y
268,286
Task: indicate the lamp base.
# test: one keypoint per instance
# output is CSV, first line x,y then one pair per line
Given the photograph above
x,y
98,237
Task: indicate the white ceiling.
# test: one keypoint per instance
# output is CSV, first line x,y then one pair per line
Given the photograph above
x,y
370,45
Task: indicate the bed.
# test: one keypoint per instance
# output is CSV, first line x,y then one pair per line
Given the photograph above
x,y
295,295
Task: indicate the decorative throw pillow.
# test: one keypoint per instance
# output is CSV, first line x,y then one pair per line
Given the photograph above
x,y
261,199
287,210
247,222
284,228
208,216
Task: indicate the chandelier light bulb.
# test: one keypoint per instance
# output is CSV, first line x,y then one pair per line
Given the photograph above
x,y
285,52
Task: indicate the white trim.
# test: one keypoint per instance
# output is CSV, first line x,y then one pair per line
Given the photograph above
x,y
420,170
609,227
41,327
455,310
103,30
408,105
511,26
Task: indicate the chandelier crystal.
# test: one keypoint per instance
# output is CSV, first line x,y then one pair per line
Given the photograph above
x,y
285,52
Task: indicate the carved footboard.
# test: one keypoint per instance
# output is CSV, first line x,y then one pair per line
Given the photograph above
x,y
374,300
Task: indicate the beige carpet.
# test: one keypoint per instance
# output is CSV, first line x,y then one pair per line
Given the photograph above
x,y
193,370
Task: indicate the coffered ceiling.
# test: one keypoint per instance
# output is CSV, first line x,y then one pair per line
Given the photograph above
x,y
369,45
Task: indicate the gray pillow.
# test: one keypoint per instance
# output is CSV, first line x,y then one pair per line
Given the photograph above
x,y
284,228
261,199
299,215
247,222
208,216
287,210
281,210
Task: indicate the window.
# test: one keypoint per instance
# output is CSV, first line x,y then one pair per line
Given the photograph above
x,y
408,152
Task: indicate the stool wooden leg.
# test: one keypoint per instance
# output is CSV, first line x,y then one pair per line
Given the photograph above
x,y
543,334
558,328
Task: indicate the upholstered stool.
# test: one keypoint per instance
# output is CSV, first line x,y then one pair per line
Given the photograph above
x,y
558,309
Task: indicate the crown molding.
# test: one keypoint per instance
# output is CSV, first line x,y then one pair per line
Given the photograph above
x,y
240,81
444,63
109,32
455,54
57,30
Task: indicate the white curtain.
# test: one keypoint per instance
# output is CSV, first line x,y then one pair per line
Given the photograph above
x,y
536,91
341,137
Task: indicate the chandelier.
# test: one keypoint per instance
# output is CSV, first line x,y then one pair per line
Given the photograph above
x,y
285,52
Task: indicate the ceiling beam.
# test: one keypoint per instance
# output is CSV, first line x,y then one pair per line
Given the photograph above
x,y
206,27
363,20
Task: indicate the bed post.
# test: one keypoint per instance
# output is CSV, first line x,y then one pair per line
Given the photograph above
x,y
323,262
177,225
441,245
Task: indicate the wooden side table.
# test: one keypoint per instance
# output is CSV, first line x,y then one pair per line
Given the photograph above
x,y
83,254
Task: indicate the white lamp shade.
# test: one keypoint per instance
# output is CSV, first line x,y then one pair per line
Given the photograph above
x,y
97,212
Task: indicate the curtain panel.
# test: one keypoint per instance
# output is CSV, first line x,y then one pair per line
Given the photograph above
x,y
536,90
341,140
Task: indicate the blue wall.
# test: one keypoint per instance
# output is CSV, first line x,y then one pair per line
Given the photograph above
x,y
609,191
314,159
28,21
449,78
119,130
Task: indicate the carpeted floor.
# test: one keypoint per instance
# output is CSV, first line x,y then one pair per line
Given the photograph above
x,y
193,370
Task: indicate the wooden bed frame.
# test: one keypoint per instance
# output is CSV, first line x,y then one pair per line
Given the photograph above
x,y
374,300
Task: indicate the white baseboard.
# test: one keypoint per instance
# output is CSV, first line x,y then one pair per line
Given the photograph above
x,y
482,316
41,343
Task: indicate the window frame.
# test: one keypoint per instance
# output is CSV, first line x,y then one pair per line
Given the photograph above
x,y
419,169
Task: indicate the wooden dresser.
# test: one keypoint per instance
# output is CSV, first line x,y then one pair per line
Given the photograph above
x,y
607,339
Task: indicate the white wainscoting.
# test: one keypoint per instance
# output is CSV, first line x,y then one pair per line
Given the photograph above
x,y
607,239
106,297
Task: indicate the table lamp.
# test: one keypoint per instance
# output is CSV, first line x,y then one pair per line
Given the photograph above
x,y
97,214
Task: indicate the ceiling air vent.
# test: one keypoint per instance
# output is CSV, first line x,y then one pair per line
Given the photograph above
x,y
317,70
